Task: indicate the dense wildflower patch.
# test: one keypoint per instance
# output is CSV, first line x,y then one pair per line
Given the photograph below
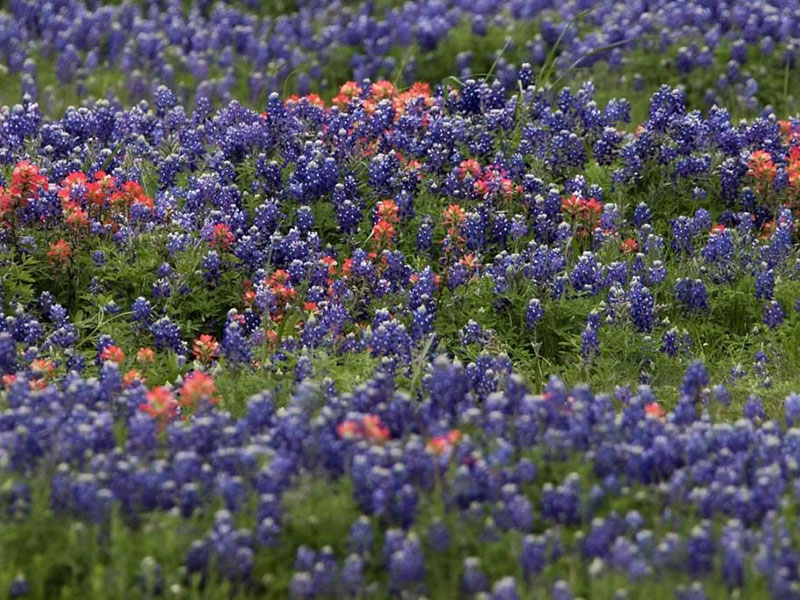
x,y
328,324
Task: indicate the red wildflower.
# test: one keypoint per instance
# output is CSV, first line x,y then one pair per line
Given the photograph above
x,y
221,236
761,167
37,384
347,92
629,246
582,212
368,427
469,167
420,89
43,367
789,131
507,187
161,404
312,99
793,173
481,187
331,263
592,208
654,410
129,194
571,206
383,233
205,348
443,444
59,253
145,356
388,211
453,217
197,386
279,277
132,377
112,353
471,261
26,182
383,89
75,216
374,429
718,228
103,188
73,187
284,294
348,430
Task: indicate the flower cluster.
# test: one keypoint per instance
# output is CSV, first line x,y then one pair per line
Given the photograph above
x,y
211,47
400,458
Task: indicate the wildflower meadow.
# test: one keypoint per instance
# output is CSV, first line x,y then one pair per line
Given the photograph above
x,y
443,299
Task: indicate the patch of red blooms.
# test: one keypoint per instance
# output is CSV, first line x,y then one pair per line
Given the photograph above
x,y
60,253
347,92
383,233
469,167
383,90
161,404
387,210
761,167
131,193
81,196
145,356
418,95
221,236
790,131
205,348
444,444
249,297
132,378
197,386
369,427
26,184
583,213
629,246
280,286
43,367
312,99
453,218
112,353
494,181
37,384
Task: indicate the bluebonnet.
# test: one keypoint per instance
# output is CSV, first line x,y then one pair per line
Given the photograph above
x,y
773,314
534,313
235,347
791,407
642,306
694,380
691,294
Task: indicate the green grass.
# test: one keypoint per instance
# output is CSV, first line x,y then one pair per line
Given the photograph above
x,y
777,83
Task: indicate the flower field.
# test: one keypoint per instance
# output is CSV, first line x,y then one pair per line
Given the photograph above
x,y
491,299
